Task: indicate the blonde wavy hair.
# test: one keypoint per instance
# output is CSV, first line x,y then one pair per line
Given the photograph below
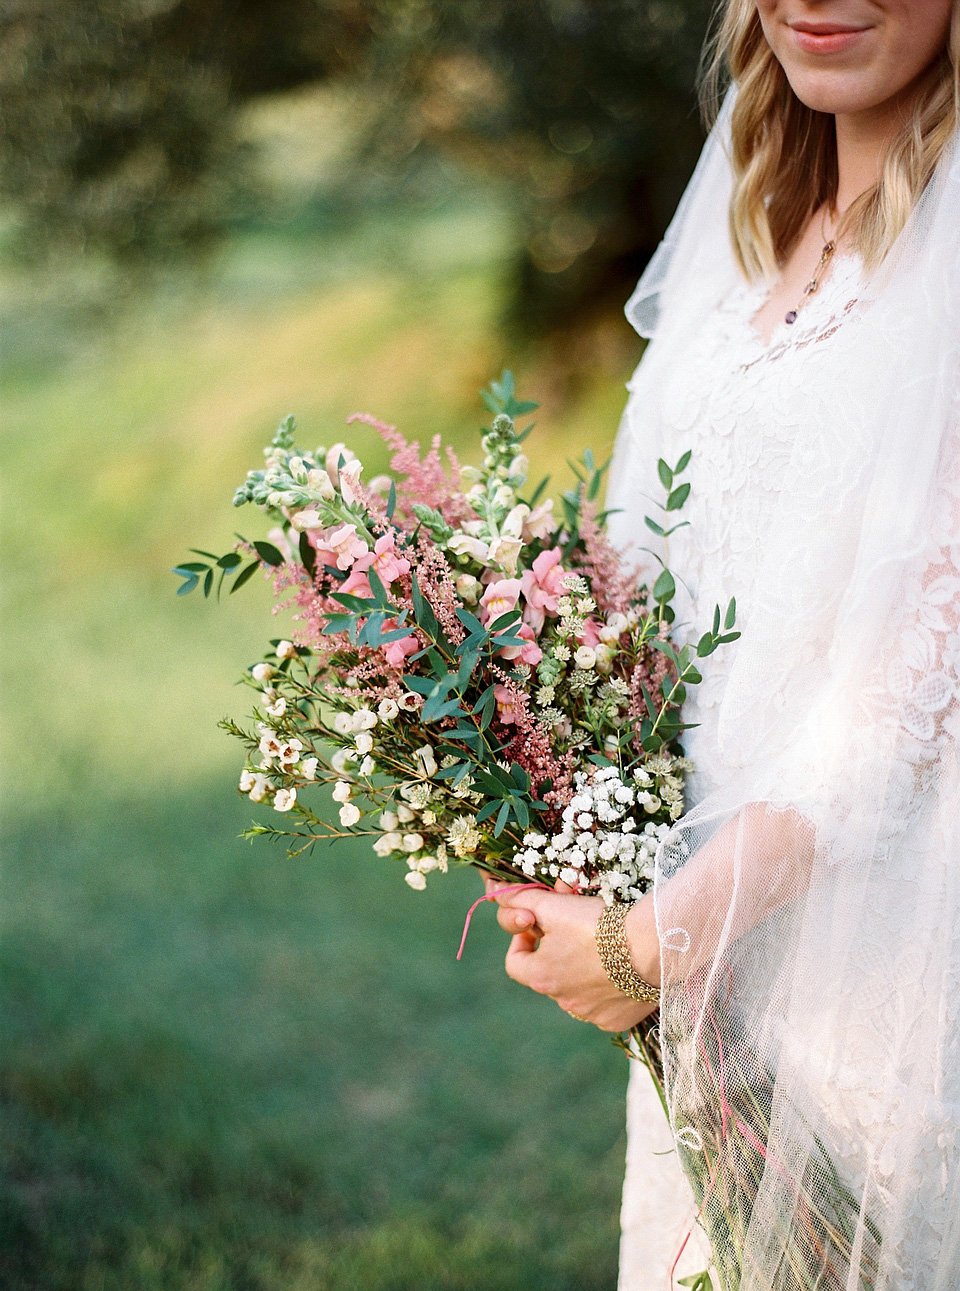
x,y
784,154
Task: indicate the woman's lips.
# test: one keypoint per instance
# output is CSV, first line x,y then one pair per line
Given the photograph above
x,y
826,40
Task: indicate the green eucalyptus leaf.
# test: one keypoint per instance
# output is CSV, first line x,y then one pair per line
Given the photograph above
x,y
684,462
268,553
665,587
245,575
677,497
230,561
665,473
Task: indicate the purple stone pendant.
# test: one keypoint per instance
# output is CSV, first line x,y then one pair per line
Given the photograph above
x,y
791,316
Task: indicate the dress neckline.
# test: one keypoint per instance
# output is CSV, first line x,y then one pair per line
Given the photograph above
x,y
820,313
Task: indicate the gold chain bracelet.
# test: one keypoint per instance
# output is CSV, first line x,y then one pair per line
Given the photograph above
x,y
614,954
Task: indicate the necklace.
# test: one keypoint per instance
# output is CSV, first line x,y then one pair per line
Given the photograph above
x,y
825,257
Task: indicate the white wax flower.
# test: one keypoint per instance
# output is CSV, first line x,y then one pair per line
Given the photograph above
x,y
260,788
285,650
277,708
349,814
387,710
341,760
412,842
247,781
261,672
320,482
284,800
387,843
585,657
343,723
342,791
426,760
368,766
389,820
416,880
308,768
364,742
364,719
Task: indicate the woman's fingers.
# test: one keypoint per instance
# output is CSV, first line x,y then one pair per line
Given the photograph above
x,y
513,920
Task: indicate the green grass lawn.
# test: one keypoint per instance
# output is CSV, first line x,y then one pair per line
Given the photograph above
x,y
221,1068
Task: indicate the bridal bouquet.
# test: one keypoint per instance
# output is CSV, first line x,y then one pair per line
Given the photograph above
x,y
475,676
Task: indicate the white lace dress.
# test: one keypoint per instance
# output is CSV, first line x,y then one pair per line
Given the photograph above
x,y
735,401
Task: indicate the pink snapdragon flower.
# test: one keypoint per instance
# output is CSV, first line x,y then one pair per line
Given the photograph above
x,y
388,564
509,705
500,598
340,547
542,587
529,653
396,652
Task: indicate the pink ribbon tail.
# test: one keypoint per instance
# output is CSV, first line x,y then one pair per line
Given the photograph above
x,y
492,896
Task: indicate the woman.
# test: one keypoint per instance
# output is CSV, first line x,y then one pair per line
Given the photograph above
x,y
808,909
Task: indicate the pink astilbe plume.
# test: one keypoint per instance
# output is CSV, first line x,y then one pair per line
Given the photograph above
x,y
435,579
428,481
528,743
611,584
648,673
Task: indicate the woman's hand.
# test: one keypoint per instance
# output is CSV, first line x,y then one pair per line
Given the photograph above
x,y
553,951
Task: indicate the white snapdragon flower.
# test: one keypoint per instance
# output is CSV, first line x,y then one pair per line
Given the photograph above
x,y
387,710
505,552
512,526
320,482
349,814
286,650
307,520
334,456
284,799
342,791
467,548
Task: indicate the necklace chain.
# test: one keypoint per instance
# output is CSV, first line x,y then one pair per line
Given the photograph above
x,y
826,255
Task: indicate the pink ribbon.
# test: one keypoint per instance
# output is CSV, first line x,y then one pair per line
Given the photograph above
x,y
492,896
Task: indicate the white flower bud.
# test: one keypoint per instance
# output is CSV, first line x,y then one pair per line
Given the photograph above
x,y
412,842
416,880
343,723
247,781
305,521
426,760
260,789
387,843
319,481
364,742
368,766
585,657
286,650
261,672
404,814
468,588
389,820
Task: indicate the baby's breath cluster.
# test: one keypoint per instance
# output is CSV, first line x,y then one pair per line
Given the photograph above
x,y
612,828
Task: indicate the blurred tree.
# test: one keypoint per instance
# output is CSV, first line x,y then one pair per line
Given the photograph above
x,y
118,134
